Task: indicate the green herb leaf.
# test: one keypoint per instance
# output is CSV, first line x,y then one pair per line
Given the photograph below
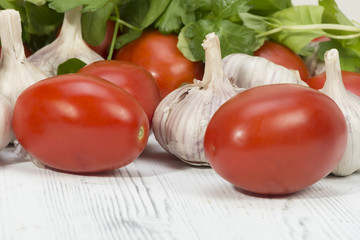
x,y
258,23
267,7
143,13
349,57
41,19
332,13
127,37
66,5
72,65
296,38
175,17
94,24
349,49
36,2
215,9
233,38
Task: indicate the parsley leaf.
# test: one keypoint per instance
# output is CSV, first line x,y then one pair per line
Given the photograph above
x,y
233,38
175,17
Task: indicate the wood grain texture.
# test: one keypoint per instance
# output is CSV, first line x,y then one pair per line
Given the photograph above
x,y
159,197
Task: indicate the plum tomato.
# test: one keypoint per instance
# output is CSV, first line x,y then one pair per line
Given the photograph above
x,y
276,139
132,78
159,55
283,56
351,81
80,123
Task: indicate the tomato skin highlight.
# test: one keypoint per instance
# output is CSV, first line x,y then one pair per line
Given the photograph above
x,y
283,56
130,77
276,139
159,55
80,123
351,81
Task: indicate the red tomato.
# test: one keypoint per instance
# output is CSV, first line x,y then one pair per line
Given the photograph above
x,y
80,123
276,139
103,48
159,55
132,78
283,56
321,39
351,81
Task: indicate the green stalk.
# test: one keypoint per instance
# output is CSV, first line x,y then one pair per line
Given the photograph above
x,y
317,27
118,24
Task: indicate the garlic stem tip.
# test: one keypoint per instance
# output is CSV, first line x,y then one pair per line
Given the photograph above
x,y
208,39
332,54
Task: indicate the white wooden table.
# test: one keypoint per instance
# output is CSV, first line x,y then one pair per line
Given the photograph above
x,y
159,197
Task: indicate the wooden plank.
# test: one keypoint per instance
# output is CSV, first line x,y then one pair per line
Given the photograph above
x,y
159,197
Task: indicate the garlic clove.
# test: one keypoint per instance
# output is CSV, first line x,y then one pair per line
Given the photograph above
x,y
250,71
69,44
6,134
181,118
349,104
16,73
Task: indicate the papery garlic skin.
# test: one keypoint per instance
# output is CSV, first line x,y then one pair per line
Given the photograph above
x,y
16,73
69,44
6,134
349,104
181,118
250,71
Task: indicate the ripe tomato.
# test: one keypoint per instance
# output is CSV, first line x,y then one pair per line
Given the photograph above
x,y
80,123
276,139
351,81
159,55
132,78
103,48
283,56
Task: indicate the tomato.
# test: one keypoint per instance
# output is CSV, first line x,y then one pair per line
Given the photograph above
x,y
276,139
103,48
132,78
321,39
351,81
159,55
283,56
80,123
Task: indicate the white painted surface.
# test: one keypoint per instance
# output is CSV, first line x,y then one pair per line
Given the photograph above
x,y
159,197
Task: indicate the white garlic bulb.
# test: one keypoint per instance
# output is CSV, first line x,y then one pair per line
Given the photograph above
x,y
16,73
69,44
180,120
6,134
349,104
250,71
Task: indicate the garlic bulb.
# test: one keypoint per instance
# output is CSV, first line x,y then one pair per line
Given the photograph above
x,y
250,71
16,73
6,134
180,120
349,104
69,44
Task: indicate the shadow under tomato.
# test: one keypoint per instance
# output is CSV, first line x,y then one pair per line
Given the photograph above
x,y
108,173
154,153
7,157
330,186
258,195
